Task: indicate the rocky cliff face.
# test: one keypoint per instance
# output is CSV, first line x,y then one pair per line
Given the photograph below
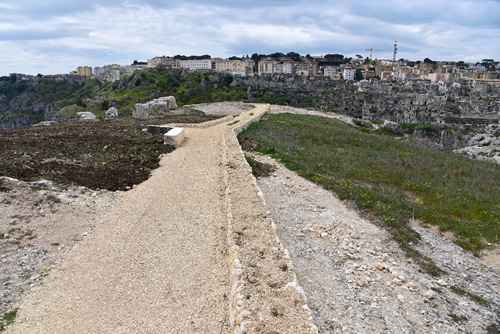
x,y
484,145
25,99
16,123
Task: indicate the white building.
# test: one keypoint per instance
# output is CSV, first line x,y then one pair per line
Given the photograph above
x,y
349,73
283,68
197,64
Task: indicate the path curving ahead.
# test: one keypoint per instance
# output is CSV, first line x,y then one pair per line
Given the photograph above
x,y
159,261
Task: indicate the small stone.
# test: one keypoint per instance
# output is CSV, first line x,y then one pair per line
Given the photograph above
x,y
397,282
378,249
429,294
401,298
379,266
442,282
384,299
324,234
84,234
361,282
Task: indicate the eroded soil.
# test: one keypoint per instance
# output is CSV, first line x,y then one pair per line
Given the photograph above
x,y
98,155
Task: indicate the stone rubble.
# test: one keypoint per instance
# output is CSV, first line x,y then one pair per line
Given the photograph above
x,y
86,116
485,145
34,230
358,280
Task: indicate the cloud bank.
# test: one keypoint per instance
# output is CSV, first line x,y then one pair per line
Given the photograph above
x,y
51,36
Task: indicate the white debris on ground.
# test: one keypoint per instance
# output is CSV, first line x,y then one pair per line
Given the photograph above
x,y
358,280
39,222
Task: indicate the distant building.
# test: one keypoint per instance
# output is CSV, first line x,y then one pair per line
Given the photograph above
x,y
330,71
197,64
266,66
84,70
308,67
349,73
230,66
282,67
435,77
164,61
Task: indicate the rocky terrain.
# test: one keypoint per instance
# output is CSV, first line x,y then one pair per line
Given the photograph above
x,y
40,221
357,279
485,145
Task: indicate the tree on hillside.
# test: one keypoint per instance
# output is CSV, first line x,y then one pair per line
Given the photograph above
x,y
358,75
294,55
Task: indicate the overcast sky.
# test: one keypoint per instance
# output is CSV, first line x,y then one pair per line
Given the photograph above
x,y
56,36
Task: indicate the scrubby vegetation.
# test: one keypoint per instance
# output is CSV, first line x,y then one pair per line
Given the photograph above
x,y
390,178
65,98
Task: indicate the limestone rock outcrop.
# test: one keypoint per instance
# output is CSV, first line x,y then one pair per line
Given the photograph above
x,y
85,116
111,113
392,126
485,145
155,107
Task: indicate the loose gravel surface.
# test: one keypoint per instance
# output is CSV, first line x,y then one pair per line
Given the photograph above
x,y
155,263
356,278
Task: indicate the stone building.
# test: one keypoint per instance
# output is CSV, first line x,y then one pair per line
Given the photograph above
x,y
197,64
84,70
233,66
164,61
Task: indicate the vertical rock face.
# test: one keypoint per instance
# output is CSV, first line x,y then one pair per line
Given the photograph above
x,y
155,107
485,145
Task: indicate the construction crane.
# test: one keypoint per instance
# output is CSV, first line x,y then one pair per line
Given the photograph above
x,y
371,52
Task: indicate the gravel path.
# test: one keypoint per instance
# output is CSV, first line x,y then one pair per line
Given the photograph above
x,y
155,263
191,250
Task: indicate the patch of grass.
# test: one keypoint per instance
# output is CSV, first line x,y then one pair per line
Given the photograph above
x,y
7,319
389,178
472,296
53,199
457,318
234,122
438,290
39,187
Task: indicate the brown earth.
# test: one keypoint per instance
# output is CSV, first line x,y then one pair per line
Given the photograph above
x,y
111,155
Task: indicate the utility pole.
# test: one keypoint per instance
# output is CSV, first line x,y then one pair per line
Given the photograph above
x,y
395,50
